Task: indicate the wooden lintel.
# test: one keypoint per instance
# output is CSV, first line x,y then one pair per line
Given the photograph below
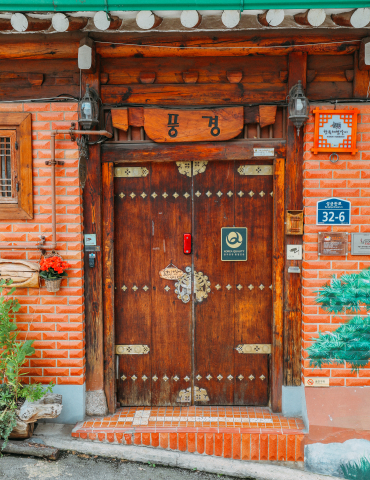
x,y
145,151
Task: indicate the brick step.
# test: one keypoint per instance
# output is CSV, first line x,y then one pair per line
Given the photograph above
x,y
221,431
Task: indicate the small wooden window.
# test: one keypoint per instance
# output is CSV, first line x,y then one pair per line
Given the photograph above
x,y
16,199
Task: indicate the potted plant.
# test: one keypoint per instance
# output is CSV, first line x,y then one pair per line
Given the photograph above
x,y
20,404
53,269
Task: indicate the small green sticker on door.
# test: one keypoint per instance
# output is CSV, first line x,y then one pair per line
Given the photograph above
x,y
234,241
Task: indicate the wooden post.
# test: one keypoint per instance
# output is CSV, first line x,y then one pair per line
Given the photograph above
x,y
293,201
93,275
277,365
108,284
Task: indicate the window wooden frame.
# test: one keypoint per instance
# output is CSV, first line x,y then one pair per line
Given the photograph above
x,y
20,123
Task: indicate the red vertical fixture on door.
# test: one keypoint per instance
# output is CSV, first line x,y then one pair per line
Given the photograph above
x,y
187,243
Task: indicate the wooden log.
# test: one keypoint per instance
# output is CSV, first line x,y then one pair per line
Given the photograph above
x,y
190,18
120,118
234,76
22,430
62,23
5,24
358,18
145,152
271,18
31,449
147,77
230,18
147,20
36,78
311,18
24,23
267,115
108,284
278,257
361,80
190,77
104,21
38,47
92,198
50,406
293,201
202,94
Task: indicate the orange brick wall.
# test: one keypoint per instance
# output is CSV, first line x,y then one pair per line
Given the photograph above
x,y
349,178
54,320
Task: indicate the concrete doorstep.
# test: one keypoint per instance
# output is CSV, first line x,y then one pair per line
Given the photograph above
x,y
59,436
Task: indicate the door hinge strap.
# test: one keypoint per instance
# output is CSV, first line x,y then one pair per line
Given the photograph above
x,y
264,348
132,349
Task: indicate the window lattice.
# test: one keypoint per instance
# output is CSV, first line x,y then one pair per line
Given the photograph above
x,y
6,168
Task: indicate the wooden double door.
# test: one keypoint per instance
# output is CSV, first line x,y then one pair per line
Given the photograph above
x,y
211,347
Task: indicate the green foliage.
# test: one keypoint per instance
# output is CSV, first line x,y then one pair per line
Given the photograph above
x,y
12,357
347,294
348,343
351,341
357,471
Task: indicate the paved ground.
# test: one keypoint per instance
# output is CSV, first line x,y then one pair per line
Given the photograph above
x,y
85,467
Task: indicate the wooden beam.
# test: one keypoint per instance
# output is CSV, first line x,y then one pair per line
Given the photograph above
x,y
358,18
147,20
145,151
62,23
360,80
311,18
58,45
293,201
278,256
271,18
108,284
104,21
24,23
92,205
201,94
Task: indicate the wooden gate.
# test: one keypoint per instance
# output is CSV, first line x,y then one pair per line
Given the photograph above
x,y
205,338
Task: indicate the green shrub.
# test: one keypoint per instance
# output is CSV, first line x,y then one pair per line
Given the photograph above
x,y
12,357
357,471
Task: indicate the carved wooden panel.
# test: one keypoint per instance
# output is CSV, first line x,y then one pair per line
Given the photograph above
x,y
171,125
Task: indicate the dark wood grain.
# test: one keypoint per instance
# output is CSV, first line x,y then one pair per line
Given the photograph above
x,y
253,307
171,318
214,316
108,284
293,201
224,151
132,251
278,260
92,205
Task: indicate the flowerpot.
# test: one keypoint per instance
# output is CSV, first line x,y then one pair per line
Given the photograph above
x,y
53,284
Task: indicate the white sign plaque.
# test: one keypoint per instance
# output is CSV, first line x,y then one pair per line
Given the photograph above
x,y
294,252
316,382
263,152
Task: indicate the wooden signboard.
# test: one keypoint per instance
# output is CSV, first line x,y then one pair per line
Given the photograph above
x,y
335,131
333,243
172,125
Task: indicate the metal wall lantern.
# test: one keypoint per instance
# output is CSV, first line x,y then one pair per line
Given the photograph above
x,y
298,106
88,109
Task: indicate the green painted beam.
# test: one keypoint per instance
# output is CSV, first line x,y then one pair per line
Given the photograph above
x,y
111,5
